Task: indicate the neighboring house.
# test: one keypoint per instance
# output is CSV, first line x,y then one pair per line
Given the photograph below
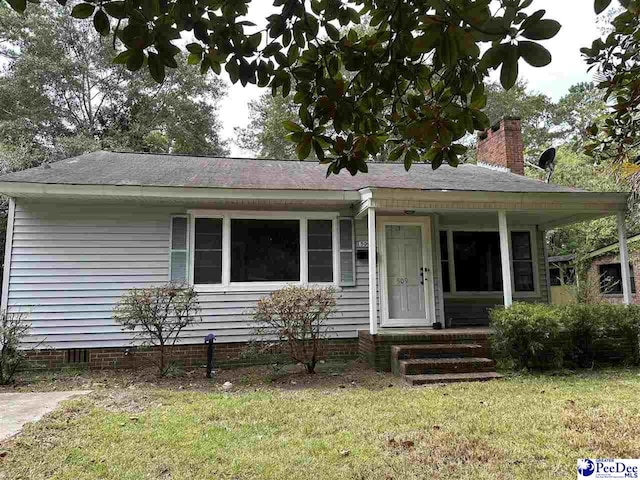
x,y
604,274
406,250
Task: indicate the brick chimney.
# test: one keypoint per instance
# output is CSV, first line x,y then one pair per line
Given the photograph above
x,y
501,146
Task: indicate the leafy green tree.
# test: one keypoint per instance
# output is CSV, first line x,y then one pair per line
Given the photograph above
x,y
423,61
614,60
575,169
576,111
265,133
61,95
535,110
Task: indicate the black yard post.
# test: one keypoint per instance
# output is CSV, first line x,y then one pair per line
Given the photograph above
x,y
209,341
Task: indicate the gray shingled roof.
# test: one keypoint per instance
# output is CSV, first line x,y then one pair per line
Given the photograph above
x,y
109,168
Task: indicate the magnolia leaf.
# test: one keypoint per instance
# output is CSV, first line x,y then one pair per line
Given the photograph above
x,y
115,9
83,10
509,71
601,5
542,30
156,67
534,54
20,5
292,126
101,23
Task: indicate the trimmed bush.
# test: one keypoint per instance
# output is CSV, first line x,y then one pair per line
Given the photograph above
x,y
538,336
295,319
157,316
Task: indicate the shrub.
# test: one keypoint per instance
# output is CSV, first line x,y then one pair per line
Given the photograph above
x,y
295,317
551,336
12,329
157,317
527,335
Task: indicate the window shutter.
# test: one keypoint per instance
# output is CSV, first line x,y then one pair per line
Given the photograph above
x,y
347,253
179,250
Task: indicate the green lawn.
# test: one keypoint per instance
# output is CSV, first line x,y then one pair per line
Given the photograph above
x,y
521,427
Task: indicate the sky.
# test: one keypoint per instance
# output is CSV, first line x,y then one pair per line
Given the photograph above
x,y
579,29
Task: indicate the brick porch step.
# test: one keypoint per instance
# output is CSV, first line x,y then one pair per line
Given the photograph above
x,y
415,380
419,366
438,350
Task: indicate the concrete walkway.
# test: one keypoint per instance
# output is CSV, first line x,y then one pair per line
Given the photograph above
x,y
16,409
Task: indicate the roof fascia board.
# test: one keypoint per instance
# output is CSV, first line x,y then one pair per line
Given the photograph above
x,y
579,201
135,191
610,248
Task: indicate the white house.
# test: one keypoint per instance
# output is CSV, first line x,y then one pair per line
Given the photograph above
x,y
406,250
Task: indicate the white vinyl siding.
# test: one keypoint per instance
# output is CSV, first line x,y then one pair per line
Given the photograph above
x,y
71,263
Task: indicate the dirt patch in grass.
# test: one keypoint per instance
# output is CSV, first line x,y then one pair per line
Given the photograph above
x,y
591,427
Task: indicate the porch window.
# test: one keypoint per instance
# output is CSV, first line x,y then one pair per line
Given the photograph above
x,y
611,279
265,250
522,262
477,263
444,262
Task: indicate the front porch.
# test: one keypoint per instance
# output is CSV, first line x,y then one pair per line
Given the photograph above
x,y
437,263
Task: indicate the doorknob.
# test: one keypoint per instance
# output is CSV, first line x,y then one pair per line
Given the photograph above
x,y
421,278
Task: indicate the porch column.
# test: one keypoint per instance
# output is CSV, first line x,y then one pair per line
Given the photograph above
x,y
373,276
505,258
624,259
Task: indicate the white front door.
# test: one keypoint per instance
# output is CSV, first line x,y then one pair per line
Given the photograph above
x,y
404,272
406,276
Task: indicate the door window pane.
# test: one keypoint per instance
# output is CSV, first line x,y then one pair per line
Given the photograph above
x,y
265,250
208,251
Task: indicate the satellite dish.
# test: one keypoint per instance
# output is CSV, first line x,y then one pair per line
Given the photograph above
x,y
547,162
547,158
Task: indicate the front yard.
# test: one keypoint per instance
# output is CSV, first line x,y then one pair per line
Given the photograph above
x,y
347,424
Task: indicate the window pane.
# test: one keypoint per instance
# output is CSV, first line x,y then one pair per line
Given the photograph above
x,y
477,261
610,278
554,276
179,233
444,257
523,276
179,267
520,246
208,251
320,251
265,250
346,234
208,266
346,267
570,276
347,252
